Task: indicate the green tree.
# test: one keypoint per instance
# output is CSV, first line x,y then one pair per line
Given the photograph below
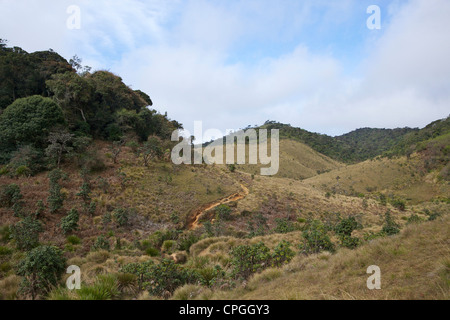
x,y
28,121
152,149
69,223
41,269
55,198
26,233
59,145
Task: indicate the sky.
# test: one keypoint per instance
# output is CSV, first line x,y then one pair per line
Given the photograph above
x,y
313,64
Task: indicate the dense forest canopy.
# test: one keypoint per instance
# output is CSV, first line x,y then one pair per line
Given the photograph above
x,y
41,92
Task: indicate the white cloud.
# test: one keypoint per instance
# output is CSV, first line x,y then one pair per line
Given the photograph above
x,y
185,54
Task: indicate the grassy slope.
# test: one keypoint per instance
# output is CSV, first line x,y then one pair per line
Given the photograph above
x,y
297,161
407,179
414,265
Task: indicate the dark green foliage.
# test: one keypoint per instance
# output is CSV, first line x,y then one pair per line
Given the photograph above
x,y
55,198
24,74
70,222
248,259
223,212
414,218
210,276
282,254
344,230
316,238
74,240
5,234
28,121
121,216
283,226
26,160
160,278
356,146
10,195
185,241
26,233
399,204
390,227
41,269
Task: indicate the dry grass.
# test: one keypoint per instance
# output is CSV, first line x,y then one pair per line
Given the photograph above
x,y
414,265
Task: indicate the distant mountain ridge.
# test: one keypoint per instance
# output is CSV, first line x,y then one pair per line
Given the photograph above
x,y
365,143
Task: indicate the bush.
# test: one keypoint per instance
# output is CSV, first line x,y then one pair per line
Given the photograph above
x,y
70,222
316,238
121,216
9,195
27,121
284,226
55,198
101,243
26,233
41,269
282,254
74,240
160,278
390,227
169,246
223,212
414,218
344,230
248,259
167,276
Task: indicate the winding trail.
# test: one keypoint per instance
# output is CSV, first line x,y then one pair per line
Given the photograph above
x,y
193,220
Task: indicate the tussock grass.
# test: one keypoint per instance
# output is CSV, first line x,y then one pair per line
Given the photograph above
x,y
414,265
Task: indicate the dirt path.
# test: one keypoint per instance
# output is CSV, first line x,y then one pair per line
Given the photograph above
x,y
193,222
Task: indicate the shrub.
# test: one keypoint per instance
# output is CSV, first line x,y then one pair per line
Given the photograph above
x,y
167,276
169,246
9,195
74,240
152,252
186,241
390,227
248,259
55,198
121,216
283,226
70,222
282,254
101,243
414,218
28,120
316,238
344,230
159,278
210,276
41,269
26,233
399,204
223,212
